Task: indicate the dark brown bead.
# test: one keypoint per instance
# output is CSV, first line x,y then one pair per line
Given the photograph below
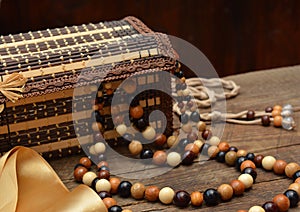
x,y
258,160
270,207
104,174
268,109
160,139
250,115
182,199
104,194
79,172
86,162
265,120
188,158
206,134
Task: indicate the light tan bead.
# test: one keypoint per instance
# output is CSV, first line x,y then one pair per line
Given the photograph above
x,y
88,178
291,168
268,162
92,150
225,191
246,179
173,159
149,133
166,195
172,140
213,151
103,185
135,147
295,187
137,191
199,143
256,208
201,126
230,158
187,128
99,148
121,129
186,92
241,152
214,140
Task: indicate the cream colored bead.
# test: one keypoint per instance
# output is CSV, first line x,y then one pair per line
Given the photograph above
x,y
246,179
103,185
187,128
214,141
149,133
92,150
172,140
99,148
121,129
256,208
186,92
198,143
179,93
268,162
88,178
173,159
166,195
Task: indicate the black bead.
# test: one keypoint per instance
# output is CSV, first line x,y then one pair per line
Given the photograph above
x,y
239,162
293,197
179,74
195,116
270,207
265,120
146,153
233,148
124,189
183,142
100,100
127,138
250,156
178,86
98,117
133,102
205,147
221,157
250,171
103,168
250,115
93,185
104,194
182,199
183,86
102,157
184,118
211,197
141,124
187,98
206,134
78,165
188,157
296,175
115,208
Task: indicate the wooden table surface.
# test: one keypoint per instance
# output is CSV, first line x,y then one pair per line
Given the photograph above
x,y
258,90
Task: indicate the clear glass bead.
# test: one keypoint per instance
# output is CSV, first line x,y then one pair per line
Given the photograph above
x,y
287,107
286,113
288,123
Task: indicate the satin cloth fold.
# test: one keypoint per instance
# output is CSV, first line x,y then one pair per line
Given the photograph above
x,y
28,183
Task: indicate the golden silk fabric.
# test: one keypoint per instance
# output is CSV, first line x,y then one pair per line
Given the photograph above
x,y
28,183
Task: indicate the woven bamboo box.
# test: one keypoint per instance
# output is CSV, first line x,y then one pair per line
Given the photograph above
x,y
39,71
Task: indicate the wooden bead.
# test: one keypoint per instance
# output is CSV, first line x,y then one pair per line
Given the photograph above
x,y
97,126
159,157
172,140
192,147
241,152
213,151
92,150
181,199
160,139
79,172
256,208
246,164
137,190
258,160
149,133
230,158
173,159
114,109
102,163
86,162
297,180
108,85
265,120
187,128
88,178
225,191
129,86
223,146
121,129
268,162
279,167
214,141
291,168
277,107
295,187
126,210
103,185
282,202
104,174
246,179
276,113
109,91
135,147
238,187
201,126
108,202
196,198
199,144
277,121
99,147
136,112
151,193
166,195
241,211
114,182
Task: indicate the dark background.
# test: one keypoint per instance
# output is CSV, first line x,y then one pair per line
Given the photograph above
x,y
236,36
